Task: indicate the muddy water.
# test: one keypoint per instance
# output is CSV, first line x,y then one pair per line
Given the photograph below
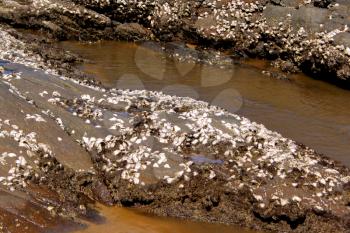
x,y
309,111
121,220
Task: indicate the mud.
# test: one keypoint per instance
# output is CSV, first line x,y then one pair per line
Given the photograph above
x,y
303,109
137,149
67,142
124,220
308,36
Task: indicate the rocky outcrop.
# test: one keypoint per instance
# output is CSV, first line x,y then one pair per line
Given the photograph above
x,y
168,155
149,150
311,35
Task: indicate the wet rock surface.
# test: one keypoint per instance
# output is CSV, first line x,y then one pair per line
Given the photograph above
x,y
311,35
66,143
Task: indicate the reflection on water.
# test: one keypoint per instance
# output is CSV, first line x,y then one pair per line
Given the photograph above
x,y
306,110
121,220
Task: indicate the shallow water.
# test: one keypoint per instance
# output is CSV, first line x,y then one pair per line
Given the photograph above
x,y
309,111
122,220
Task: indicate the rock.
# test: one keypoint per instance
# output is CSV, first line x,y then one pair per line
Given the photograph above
x,y
278,29
288,3
343,39
275,14
133,32
148,144
323,3
347,51
160,149
310,18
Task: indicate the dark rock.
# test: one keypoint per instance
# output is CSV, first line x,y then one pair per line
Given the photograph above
x,y
343,39
101,193
275,14
323,3
310,18
288,3
133,32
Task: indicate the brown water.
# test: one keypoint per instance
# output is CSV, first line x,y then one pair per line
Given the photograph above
x,y
309,111
312,112
122,220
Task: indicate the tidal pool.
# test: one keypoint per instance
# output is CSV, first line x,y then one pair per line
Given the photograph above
x,y
309,111
123,220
